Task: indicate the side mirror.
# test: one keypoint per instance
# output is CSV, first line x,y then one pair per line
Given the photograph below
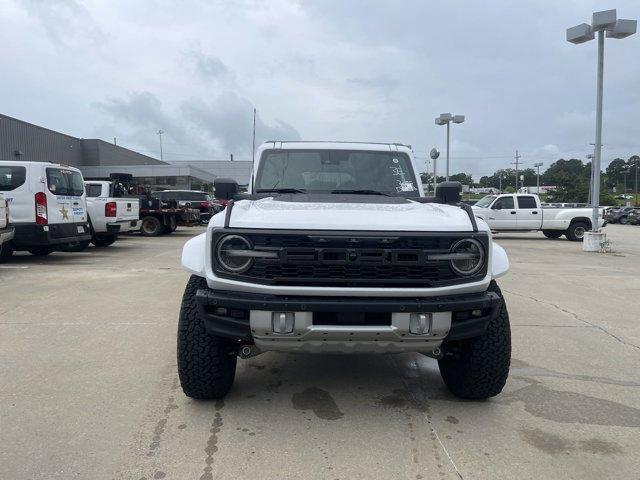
x,y
449,192
225,188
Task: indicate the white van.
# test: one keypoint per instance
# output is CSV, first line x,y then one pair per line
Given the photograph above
x,y
47,204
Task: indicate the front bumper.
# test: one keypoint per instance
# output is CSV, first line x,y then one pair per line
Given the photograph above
x,y
6,234
28,235
250,318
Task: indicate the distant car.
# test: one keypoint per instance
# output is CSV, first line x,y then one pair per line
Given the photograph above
x,y
634,217
618,215
199,200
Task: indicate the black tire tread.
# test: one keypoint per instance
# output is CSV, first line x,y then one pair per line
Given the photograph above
x,y
206,364
570,231
552,233
6,251
103,240
480,368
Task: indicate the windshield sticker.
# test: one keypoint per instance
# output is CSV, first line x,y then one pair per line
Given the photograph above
x,y
406,187
395,160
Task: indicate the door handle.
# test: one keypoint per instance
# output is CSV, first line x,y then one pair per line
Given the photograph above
x,y
513,213
76,203
534,213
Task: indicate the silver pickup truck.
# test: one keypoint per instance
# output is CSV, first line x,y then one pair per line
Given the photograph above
x,y
524,213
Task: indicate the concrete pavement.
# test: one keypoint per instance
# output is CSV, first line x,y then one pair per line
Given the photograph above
x,y
89,386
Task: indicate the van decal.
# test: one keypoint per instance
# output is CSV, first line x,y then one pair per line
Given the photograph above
x,y
65,213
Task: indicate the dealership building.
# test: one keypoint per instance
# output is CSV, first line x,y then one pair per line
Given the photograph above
x,y
96,158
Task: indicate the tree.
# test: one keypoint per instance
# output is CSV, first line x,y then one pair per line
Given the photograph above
x,y
463,178
614,173
571,179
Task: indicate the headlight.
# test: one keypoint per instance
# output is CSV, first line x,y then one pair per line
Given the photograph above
x,y
467,256
231,255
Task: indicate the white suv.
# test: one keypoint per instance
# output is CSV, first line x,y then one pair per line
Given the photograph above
x,y
336,249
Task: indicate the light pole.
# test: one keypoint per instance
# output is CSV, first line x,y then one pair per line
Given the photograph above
x,y
624,173
434,154
446,119
538,165
601,22
635,190
160,132
590,157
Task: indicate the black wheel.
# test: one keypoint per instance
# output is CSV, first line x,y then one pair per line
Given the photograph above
x,y
40,251
552,233
624,220
103,240
478,368
75,246
151,226
6,250
206,364
576,231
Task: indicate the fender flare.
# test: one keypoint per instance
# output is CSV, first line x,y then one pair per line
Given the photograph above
x,y
499,261
194,255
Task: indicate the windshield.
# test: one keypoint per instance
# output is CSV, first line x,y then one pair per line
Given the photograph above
x,y
64,182
485,201
323,171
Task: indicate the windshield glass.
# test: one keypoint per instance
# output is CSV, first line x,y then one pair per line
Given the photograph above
x,y
322,171
64,182
485,201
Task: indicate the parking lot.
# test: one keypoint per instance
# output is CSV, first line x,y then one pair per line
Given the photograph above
x,y
90,389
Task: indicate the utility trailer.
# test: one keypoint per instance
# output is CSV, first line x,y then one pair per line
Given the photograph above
x,y
158,217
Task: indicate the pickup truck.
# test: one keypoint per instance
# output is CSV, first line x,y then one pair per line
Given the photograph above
x,y
523,213
335,249
6,232
108,216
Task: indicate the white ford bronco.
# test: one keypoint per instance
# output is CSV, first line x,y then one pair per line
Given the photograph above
x,y
335,249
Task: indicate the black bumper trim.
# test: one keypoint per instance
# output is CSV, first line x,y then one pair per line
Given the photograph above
x,y
238,329
28,235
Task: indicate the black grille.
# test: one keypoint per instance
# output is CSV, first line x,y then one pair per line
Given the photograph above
x,y
352,260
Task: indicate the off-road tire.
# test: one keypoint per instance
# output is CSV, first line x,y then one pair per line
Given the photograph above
x,y
173,224
75,246
103,240
40,251
552,233
624,220
206,364
6,250
478,368
576,231
151,226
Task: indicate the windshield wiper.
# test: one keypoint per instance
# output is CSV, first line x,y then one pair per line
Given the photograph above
x,y
281,190
361,192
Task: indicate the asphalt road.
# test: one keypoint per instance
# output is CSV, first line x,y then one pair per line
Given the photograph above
x,y
88,383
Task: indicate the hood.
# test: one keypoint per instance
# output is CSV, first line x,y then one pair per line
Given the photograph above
x,y
357,212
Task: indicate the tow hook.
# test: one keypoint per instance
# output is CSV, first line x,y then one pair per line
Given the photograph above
x,y
435,353
248,351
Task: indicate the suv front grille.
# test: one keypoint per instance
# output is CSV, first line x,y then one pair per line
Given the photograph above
x,y
352,259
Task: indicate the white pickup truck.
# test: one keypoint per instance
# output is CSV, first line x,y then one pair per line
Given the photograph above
x,y
108,215
6,232
523,213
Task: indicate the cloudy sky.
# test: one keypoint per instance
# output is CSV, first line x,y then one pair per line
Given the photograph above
x,y
328,70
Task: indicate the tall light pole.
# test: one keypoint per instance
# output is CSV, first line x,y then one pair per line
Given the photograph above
x,y
538,165
516,163
434,154
160,132
601,22
635,190
446,119
590,157
624,173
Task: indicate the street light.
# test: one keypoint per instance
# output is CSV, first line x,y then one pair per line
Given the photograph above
x,y
538,165
446,119
590,157
160,132
601,22
434,154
